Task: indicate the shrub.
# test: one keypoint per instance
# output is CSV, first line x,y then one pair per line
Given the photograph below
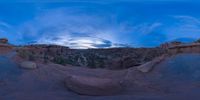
x,y
26,55
59,60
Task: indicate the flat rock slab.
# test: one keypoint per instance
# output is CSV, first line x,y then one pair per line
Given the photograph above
x,y
28,65
93,85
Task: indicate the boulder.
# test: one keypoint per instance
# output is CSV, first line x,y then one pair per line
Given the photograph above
x,y
28,65
149,65
92,85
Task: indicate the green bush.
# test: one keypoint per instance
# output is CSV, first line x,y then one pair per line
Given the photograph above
x,y
26,55
59,60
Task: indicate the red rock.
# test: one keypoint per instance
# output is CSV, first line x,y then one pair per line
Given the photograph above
x,y
149,65
4,40
92,85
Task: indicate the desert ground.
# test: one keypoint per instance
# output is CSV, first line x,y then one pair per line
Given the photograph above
x,y
174,77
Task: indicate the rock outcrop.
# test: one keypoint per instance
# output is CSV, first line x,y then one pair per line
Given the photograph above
x,y
92,85
184,48
149,65
170,44
4,46
28,65
3,40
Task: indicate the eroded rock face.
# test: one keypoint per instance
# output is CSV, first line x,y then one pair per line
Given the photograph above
x,y
93,85
3,40
5,47
185,48
28,65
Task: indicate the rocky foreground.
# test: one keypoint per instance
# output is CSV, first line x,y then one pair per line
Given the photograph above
x,y
170,74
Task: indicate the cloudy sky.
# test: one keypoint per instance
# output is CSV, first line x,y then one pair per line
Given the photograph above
x,y
100,23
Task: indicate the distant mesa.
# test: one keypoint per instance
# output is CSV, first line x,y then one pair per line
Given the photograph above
x,y
3,41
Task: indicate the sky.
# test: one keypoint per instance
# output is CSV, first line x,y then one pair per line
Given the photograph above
x,y
99,23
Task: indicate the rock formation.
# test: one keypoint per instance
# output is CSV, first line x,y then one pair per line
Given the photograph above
x,y
28,65
4,46
93,85
3,40
149,65
185,48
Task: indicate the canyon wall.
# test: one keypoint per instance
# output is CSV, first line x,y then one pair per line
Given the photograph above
x,y
112,58
184,48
